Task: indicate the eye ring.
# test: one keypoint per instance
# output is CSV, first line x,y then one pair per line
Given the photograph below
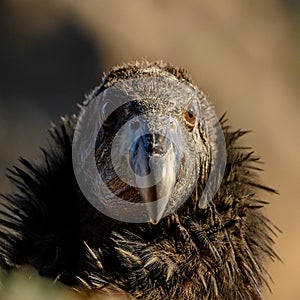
x,y
106,114
190,116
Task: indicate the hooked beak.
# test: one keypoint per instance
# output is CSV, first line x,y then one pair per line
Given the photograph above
x,y
156,165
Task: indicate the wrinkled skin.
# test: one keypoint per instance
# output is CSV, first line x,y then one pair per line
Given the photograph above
x,y
214,252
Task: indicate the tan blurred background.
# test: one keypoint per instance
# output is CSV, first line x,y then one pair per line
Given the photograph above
x,y
243,54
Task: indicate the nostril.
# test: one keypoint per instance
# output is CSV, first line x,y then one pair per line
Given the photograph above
x,y
153,144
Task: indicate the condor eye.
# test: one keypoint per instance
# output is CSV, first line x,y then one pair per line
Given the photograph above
x,y
190,116
106,114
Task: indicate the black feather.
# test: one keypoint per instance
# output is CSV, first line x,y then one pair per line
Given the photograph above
x,y
215,253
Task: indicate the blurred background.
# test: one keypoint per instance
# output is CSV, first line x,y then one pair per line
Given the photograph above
x,y
243,54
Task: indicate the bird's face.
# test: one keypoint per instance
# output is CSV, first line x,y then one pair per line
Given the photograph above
x,y
151,141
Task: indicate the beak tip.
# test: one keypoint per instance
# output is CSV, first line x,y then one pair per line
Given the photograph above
x,y
155,213
154,221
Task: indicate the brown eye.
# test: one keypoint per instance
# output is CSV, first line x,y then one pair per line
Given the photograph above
x,y
190,116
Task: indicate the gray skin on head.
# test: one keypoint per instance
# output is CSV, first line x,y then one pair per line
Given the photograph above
x,y
213,252
146,148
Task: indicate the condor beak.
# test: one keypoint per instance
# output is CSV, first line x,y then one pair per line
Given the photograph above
x,y
156,166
